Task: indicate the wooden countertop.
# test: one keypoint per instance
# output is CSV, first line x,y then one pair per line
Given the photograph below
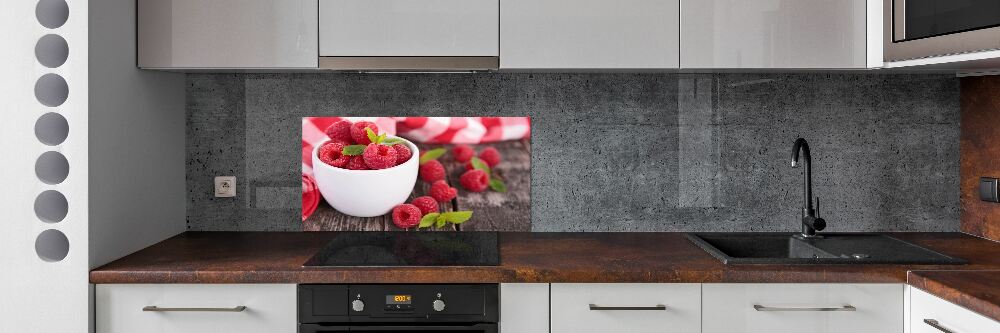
x,y
277,257
978,291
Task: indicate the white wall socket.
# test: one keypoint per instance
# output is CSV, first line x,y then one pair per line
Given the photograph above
x,y
225,186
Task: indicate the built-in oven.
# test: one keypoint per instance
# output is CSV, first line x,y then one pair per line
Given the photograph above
x,y
385,308
916,29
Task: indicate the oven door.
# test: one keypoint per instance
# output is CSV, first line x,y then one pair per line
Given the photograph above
x,y
471,328
916,29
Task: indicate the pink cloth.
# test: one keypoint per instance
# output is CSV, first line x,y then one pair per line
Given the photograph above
x,y
310,196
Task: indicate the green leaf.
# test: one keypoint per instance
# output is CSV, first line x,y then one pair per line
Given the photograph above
x,y
441,220
432,154
457,217
371,135
392,141
478,164
381,138
428,220
498,185
353,150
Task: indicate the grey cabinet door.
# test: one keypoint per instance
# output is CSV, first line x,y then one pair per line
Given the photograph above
x,y
776,34
239,34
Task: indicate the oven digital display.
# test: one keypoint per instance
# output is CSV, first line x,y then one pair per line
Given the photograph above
x,y
398,299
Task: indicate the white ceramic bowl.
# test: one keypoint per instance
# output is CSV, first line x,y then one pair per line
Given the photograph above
x,y
366,193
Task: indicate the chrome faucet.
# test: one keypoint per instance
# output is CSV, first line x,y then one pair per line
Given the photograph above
x,y
811,222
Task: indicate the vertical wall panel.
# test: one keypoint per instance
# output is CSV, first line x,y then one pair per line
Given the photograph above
x,y
980,147
43,295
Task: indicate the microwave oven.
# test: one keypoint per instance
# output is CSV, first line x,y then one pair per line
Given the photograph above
x,y
915,29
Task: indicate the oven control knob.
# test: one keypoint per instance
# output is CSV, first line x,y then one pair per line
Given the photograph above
x,y
438,305
358,305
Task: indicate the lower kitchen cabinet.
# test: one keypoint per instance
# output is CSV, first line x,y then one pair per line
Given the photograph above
x,y
625,307
524,308
196,308
930,314
804,308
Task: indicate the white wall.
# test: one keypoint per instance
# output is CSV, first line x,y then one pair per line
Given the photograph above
x,y
137,192
38,295
124,187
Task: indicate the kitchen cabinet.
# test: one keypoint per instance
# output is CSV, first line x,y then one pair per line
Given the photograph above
x,y
196,308
820,308
207,34
589,34
625,307
780,34
930,314
524,308
404,28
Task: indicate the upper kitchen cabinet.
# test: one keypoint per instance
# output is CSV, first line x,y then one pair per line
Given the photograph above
x,y
780,34
406,34
589,34
221,34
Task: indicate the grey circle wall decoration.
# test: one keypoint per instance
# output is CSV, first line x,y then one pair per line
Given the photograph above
x,y
51,206
52,167
52,245
52,13
51,90
51,51
51,128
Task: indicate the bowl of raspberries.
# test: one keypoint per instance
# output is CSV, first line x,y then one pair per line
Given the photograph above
x,y
363,173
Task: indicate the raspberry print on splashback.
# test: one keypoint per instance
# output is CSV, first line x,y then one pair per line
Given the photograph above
x,y
417,174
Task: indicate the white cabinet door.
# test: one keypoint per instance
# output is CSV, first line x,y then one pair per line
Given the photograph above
x,y
593,34
270,308
524,308
427,28
227,33
927,310
626,307
803,308
773,34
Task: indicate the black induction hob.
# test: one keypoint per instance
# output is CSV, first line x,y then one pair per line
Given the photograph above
x,y
408,248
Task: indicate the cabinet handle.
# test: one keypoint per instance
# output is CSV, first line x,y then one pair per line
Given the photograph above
x,y
159,309
595,307
759,307
935,324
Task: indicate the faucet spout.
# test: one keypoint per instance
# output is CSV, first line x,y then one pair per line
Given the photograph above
x,y
810,222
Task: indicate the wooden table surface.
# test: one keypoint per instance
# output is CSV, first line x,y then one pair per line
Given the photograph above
x,y
492,211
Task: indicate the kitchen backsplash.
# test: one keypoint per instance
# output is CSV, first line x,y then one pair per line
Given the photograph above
x,y
615,152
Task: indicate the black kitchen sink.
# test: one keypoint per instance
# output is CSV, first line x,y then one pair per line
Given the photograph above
x,y
832,248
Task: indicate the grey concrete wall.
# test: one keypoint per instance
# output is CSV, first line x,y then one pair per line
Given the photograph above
x,y
616,152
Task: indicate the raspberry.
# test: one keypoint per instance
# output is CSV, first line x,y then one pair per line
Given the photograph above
x,y
491,156
431,171
441,192
331,153
379,156
468,165
357,163
462,153
359,134
403,153
406,216
426,204
340,130
474,180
